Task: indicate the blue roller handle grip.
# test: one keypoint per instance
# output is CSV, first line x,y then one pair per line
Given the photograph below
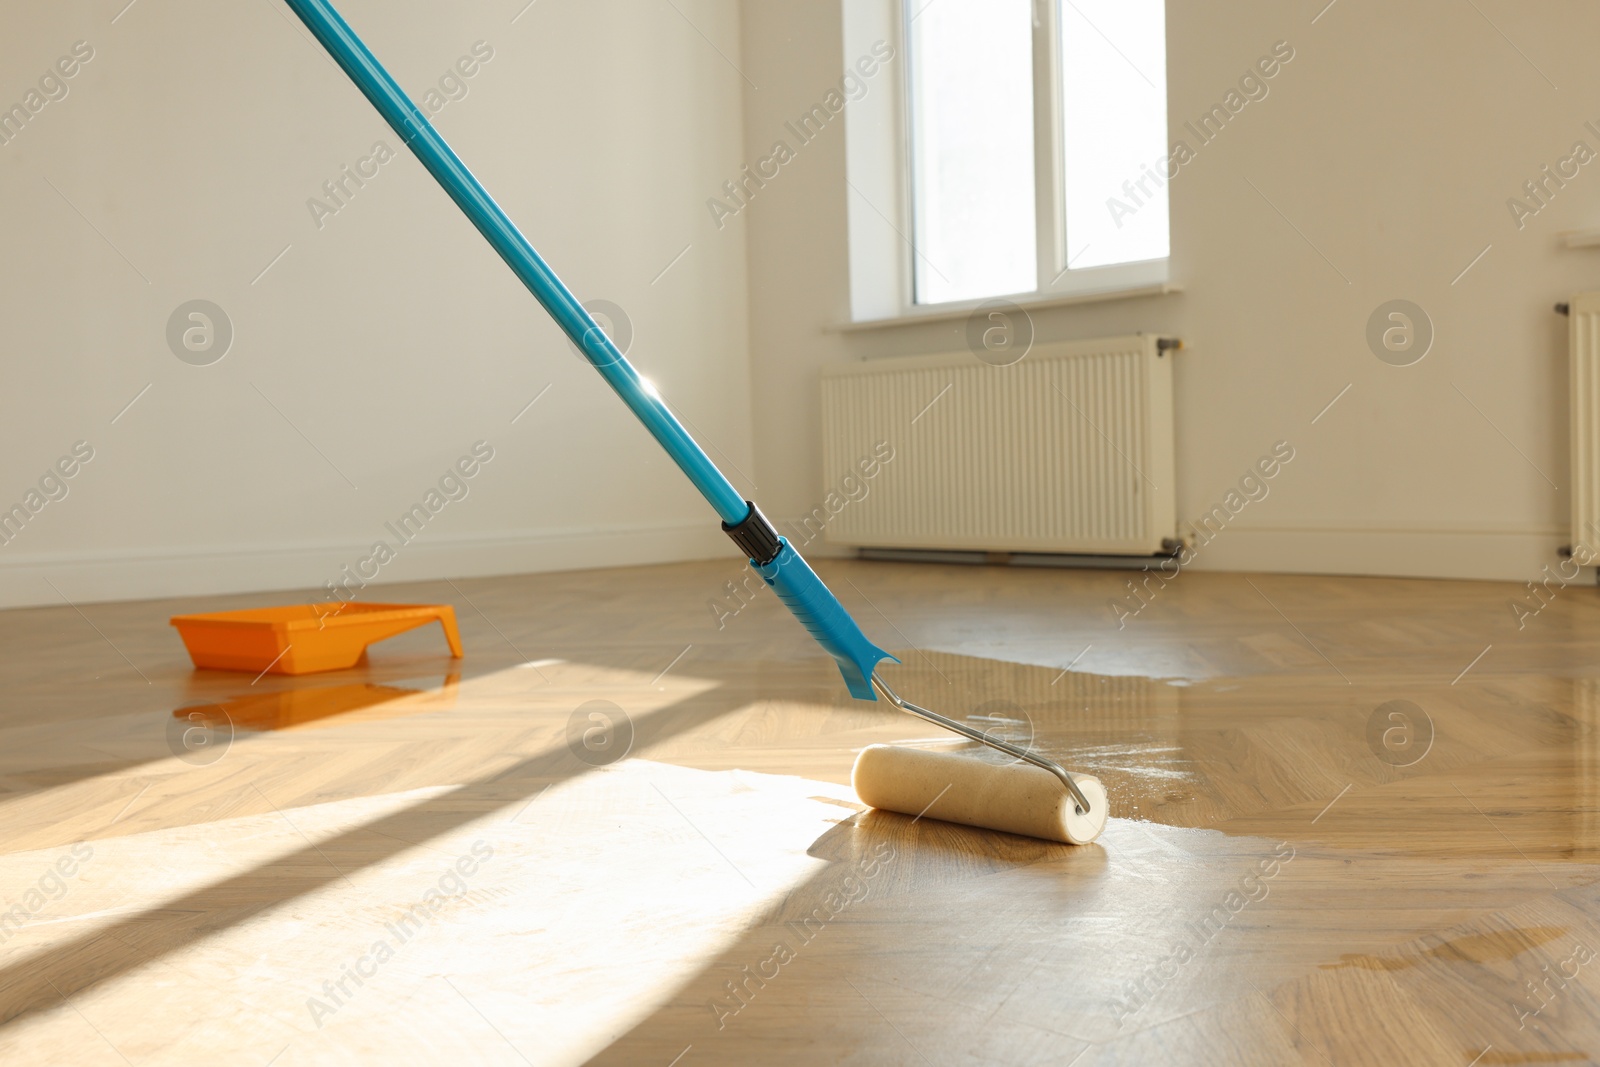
x,y
820,612
790,577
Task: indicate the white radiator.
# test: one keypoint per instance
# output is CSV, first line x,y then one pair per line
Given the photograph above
x,y
1068,450
1584,349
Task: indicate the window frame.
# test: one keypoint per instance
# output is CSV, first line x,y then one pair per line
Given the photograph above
x,y
1054,278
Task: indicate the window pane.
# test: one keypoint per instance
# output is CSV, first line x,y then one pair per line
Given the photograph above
x,y
972,148
1114,128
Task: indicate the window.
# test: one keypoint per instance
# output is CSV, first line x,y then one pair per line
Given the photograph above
x,y
972,148
1037,132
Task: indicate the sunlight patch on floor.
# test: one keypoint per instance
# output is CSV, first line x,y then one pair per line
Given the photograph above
x,y
558,924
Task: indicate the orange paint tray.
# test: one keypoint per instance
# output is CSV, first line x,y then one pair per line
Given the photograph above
x,y
303,638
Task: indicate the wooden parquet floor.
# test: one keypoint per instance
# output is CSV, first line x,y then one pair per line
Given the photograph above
x,y
1354,821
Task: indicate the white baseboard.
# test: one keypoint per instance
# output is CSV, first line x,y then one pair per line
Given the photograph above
x,y
105,576
87,577
1506,554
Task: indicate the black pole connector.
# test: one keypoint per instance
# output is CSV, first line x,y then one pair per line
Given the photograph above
x,y
755,536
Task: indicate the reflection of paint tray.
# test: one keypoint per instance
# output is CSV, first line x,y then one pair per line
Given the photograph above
x,y
302,708
303,638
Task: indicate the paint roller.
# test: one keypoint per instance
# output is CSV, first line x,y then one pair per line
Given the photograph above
x,y
1041,800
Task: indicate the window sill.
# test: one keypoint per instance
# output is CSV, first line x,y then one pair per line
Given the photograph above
x,y
1028,302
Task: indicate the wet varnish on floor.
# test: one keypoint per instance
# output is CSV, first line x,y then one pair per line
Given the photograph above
x,y
1354,821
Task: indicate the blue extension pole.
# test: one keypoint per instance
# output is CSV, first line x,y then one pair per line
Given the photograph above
x,y
779,565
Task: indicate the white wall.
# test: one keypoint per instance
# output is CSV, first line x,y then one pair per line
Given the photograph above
x,y
392,338
1392,142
